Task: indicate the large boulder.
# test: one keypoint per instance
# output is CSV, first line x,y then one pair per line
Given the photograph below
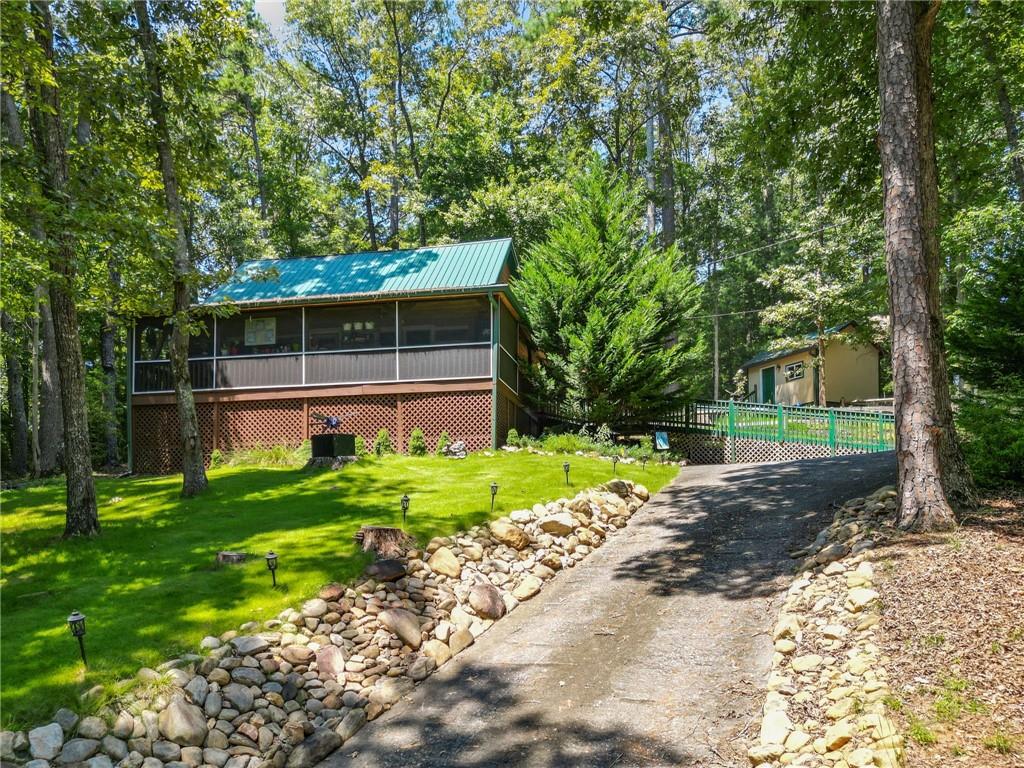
x,y
510,535
486,601
183,723
247,645
444,562
297,654
79,750
438,651
404,624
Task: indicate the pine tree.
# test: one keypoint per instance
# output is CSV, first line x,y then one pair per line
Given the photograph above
x,y
608,308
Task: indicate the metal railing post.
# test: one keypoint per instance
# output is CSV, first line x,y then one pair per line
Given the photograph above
x,y
831,432
782,424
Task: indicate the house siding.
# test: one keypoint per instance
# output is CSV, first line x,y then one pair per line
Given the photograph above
x,y
851,373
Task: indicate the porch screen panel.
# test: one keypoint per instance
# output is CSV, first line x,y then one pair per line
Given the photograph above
x,y
509,331
346,367
267,332
272,371
444,363
444,321
153,338
359,326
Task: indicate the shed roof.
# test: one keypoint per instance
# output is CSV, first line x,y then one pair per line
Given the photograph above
x,y
811,340
430,269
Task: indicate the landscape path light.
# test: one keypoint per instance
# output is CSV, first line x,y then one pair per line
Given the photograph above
x,y
76,623
272,566
405,508
615,465
565,468
494,492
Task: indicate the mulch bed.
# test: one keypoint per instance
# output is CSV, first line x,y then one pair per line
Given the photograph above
x,y
953,619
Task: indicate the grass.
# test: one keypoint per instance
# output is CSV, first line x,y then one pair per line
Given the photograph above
x,y
149,586
1001,743
920,733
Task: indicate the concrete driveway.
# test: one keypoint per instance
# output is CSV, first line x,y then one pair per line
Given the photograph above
x,y
654,651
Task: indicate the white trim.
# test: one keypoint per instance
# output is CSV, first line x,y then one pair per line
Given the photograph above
x,y
350,351
163,360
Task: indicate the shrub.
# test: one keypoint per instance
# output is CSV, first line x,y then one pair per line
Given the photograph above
x,y
274,456
417,445
216,458
443,441
361,446
512,438
992,425
382,443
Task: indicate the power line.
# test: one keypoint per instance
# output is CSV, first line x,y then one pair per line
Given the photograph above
x,y
723,314
778,242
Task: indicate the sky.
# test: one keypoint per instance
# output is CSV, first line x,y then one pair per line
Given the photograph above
x,y
272,12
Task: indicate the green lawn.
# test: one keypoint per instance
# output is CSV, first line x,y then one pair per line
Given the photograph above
x,y
148,583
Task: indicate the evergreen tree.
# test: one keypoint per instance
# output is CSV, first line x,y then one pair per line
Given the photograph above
x,y
609,310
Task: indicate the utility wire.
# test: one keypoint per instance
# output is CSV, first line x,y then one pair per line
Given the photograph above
x,y
777,242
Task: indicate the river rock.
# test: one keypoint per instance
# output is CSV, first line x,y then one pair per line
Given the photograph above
x,y
444,562
114,747
510,535
330,661
404,624
527,588
78,751
297,654
314,748
389,569
350,724
486,601
560,524
460,640
92,728
438,651
390,690
239,696
247,645
314,608
183,723
45,741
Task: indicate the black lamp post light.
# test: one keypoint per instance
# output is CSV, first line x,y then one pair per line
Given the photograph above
x,y
76,623
405,508
565,468
643,463
615,465
494,492
272,566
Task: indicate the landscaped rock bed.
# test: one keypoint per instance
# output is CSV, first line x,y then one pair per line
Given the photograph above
x,y
826,699
292,690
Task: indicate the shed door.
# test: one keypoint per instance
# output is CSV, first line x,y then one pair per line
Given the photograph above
x,y
768,384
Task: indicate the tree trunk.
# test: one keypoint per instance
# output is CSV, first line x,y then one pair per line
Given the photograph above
x,y
933,481
33,400
51,401
257,154
107,361
820,362
193,472
15,399
668,177
371,226
652,211
81,518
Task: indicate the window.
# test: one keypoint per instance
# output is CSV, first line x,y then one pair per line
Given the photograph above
x,y
452,321
362,326
794,371
260,333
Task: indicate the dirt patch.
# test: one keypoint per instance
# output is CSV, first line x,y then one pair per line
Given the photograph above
x,y
953,612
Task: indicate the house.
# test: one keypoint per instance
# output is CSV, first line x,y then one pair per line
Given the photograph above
x,y
790,376
428,337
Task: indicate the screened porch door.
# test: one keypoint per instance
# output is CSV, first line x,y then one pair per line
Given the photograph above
x,y
768,384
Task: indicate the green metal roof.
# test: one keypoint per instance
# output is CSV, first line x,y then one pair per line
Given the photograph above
x,y
430,269
811,339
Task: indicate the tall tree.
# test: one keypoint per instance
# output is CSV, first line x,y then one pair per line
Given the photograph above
x,y
193,471
15,397
933,481
48,136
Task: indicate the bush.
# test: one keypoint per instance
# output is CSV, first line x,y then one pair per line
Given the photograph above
x,y
216,458
443,441
417,445
274,456
992,427
512,438
382,443
361,446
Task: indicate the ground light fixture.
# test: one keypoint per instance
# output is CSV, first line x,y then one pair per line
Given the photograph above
x,y
615,464
643,463
405,508
272,566
494,492
565,468
76,623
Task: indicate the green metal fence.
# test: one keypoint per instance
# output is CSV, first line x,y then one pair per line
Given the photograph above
x,y
838,428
